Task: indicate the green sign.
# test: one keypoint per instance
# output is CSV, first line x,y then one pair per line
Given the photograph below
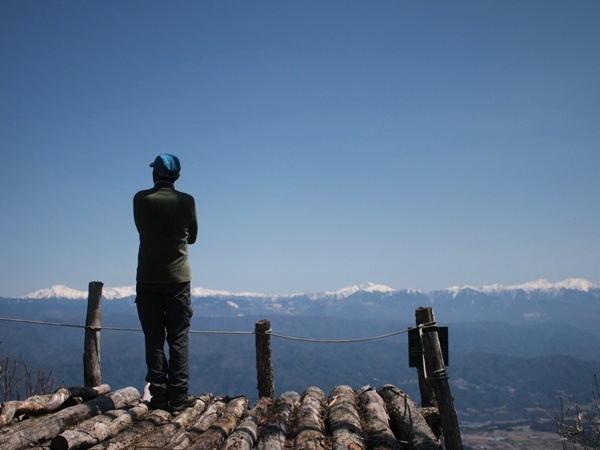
x,y
415,350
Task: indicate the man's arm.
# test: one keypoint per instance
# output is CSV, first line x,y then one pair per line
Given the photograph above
x,y
135,212
193,228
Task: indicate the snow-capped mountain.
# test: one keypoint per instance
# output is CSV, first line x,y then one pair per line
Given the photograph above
x,y
574,301
366,287
111,293
575,284
58,291
65,292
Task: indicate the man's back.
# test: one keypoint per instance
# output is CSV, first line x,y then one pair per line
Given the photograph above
x,y
166,221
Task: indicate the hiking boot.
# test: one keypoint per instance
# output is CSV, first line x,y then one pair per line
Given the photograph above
x,y
157,402
186,402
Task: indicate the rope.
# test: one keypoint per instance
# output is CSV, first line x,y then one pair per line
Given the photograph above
x,y
268,332
221,332
37,322
338,341
440,374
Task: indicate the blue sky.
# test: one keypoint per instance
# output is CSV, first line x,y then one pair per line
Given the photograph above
x,y
328,143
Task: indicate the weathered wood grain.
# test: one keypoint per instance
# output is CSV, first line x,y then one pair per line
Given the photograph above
x,y
215,436
264,364
407,423
343,420
48,403
185,437
162,435
45,428
310,426
88,432
277,428
128,436
246,435
380,435
92,375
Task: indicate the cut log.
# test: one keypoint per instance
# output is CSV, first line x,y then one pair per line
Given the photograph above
x,y
88,393
161,436
407,423
83,435
379,433
343,420
277,428
310,427
246,435
432,417
123,422
125,438
47,427
215,436
36,405
98,429
184,438
48,403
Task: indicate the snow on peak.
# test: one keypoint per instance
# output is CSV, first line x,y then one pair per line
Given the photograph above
x,y
577,284
112,293
203,292
57,291
62,291
365,287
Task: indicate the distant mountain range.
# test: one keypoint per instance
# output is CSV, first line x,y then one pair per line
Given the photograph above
x,y
111,293
512,348
534,302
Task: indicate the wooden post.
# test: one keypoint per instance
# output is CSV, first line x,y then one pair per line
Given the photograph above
x,y
438,378
424,316
92,375
264,363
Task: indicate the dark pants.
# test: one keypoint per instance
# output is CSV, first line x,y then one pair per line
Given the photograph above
x,y
165,311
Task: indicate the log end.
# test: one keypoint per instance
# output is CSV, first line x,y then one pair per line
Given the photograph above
x,y
59,443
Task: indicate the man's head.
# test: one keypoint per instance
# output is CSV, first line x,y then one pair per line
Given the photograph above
x,y
166,167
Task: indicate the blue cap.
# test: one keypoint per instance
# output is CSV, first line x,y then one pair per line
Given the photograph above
x,y
166,165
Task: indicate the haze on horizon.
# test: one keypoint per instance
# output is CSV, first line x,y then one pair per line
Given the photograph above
x,y
415,145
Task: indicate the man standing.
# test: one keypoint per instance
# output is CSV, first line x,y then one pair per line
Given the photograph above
x,y
166,222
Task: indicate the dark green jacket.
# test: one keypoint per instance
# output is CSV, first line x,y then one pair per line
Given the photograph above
x,y
166,221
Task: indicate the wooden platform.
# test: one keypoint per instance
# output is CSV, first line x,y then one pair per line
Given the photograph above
x,y
346,419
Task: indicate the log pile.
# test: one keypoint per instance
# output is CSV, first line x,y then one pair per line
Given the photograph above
x,y
384,419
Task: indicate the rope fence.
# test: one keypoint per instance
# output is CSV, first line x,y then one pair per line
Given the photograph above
x,y
269,332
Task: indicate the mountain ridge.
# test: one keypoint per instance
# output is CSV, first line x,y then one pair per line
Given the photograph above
x,y
541,285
